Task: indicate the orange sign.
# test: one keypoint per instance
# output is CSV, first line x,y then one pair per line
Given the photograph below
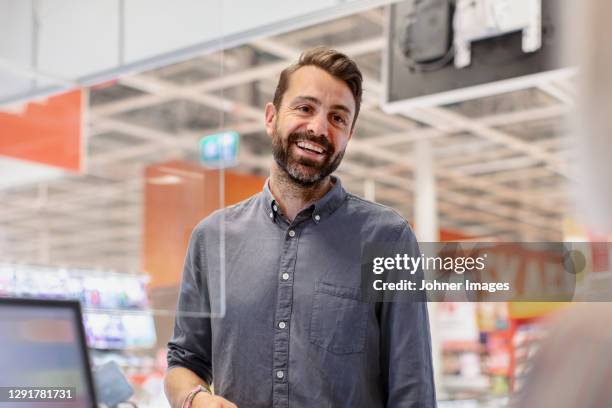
x,y
48,132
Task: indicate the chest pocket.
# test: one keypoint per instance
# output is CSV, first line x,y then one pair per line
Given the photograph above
x,y
339,319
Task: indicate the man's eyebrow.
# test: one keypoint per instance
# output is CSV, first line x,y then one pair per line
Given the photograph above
x,y
302,98
317,102
342,108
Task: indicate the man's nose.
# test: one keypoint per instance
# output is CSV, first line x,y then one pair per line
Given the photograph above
x,y
318,125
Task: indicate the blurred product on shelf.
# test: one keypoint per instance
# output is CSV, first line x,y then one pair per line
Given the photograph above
x,y
573,366
116,306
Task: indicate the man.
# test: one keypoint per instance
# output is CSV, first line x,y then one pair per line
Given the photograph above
x,y
296,331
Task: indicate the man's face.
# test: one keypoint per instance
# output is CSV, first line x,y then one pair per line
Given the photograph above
x,y
311,129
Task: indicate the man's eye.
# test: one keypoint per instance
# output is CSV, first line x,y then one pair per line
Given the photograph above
x,y
304,108
339,119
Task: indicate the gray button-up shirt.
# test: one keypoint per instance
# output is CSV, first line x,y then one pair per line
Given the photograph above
x,y
296,331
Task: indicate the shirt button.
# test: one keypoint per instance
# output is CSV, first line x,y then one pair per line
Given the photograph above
x,y
317,217
282,325
285,276
280,374
291,233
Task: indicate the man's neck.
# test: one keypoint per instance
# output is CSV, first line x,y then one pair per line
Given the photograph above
x,y
293,197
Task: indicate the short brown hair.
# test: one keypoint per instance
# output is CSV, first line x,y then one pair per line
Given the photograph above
x,y
331,61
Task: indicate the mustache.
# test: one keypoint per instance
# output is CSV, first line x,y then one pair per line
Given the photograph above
x,y
305,137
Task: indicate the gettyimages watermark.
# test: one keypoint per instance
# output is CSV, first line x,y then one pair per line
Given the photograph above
x,y
484,272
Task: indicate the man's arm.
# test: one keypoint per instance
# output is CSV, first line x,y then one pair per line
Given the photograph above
x,y
178,384
190,350
406,344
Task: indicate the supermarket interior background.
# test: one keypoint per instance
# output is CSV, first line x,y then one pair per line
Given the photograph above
x,y
123,123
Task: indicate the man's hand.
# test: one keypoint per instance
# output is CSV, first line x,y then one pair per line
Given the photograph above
x,y
206,400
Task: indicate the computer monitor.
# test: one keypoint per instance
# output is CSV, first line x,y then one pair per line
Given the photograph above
x,y
42,347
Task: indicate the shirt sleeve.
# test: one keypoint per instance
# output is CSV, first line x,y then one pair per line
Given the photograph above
x,y
406,344
190,346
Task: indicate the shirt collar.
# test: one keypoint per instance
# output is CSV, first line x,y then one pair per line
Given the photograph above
x,y
321,208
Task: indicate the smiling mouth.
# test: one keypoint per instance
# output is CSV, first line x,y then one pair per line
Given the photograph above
x,y
310,147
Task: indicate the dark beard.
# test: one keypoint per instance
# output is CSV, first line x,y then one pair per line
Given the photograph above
x,y
292,166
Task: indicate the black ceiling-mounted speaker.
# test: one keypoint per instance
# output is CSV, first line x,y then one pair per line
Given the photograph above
x,y
426,35
445,51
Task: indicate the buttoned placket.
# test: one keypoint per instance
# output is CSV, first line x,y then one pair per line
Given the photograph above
x,y
284,304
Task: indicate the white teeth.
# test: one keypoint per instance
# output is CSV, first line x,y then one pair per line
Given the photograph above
x,y
306,145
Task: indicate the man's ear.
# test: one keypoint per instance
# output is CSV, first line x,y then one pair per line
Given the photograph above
x,y
270,119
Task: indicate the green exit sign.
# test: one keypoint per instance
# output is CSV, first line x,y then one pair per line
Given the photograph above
x,y
219,150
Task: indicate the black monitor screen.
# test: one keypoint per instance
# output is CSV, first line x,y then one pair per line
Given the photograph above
x,y
43,356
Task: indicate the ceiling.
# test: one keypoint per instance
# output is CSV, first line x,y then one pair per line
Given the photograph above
x,y
500,161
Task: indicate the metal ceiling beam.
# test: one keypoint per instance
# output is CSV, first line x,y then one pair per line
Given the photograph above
x,y
443,118
154,90
66,201
186,141
496,120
